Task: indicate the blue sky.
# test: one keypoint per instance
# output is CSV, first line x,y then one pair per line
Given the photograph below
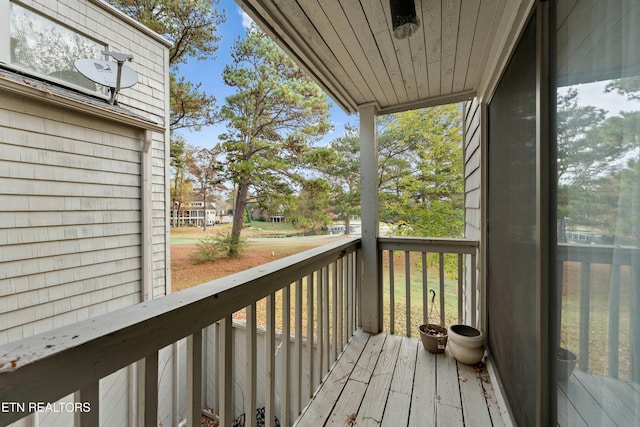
x,y
210,74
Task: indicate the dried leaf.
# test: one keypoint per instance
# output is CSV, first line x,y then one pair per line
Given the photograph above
x,y
462,378
351,419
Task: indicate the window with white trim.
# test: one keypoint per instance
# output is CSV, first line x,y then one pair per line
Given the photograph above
x,y
38,45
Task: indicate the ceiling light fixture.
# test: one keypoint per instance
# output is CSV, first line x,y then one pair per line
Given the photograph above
x,y
403,18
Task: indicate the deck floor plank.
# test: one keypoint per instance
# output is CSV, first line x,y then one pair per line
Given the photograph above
x,y
584,403
348,404
375,399
396,412
423,399
367,362
474,397
567,413
322,403
448,403
612,395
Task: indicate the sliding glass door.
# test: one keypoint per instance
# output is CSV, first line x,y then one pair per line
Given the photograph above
x,y
511,228
597,134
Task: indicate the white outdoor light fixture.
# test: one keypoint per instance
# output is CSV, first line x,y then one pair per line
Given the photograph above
x,y
403,18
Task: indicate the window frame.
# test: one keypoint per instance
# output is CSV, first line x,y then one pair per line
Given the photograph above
x,y
5,49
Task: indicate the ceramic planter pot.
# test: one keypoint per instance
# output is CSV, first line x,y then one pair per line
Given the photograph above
x,y
433,337
466,344
565,364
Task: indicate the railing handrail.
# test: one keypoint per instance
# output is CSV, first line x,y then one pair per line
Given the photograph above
x,y
49,366
597,254
432,244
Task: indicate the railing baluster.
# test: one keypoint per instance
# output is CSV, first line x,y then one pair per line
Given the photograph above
x,y
334,311
460,289
425,290
194,379
148,391
634,327
339,306
327,325
585,295
407,279
251,367
297,392
354,272
474,291
320,296
310,332
91,395
357,287
345,300
285,395
392,296
270,362
441,259
225,360
614,321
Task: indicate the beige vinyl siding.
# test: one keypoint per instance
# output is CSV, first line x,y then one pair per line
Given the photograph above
x,y
472,159
473,189
148,98
70,224
94,19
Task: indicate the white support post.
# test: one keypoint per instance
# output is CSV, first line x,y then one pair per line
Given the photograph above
x,y
371,292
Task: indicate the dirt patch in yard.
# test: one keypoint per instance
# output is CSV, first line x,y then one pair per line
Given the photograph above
x,y
185,274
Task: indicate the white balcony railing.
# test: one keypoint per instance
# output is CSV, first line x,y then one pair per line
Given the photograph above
x,y
298,315
321,318
600,288
433,271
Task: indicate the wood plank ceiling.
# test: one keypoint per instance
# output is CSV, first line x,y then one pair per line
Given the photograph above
x,y
348,48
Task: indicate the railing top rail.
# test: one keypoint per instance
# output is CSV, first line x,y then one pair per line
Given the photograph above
x,y
431,244
598,254
76,355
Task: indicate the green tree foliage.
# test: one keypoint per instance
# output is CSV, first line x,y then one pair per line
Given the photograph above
x,y
421,175
205,170
420,167
191,25
181,186
212,248
591,149
275,112
339,163
311,209
628,86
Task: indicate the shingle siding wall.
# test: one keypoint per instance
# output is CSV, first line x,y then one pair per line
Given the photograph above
x,y
70,189
473,188
70,219
472,184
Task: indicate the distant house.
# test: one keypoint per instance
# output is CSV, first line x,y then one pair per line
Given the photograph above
x,y
83,183
195,214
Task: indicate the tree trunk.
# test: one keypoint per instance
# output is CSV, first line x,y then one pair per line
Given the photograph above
x,y
347,224
238,216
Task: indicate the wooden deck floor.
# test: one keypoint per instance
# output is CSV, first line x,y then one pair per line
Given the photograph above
x,y
595,400
391,380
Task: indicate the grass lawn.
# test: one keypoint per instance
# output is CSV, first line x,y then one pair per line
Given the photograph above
x,y
262,250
